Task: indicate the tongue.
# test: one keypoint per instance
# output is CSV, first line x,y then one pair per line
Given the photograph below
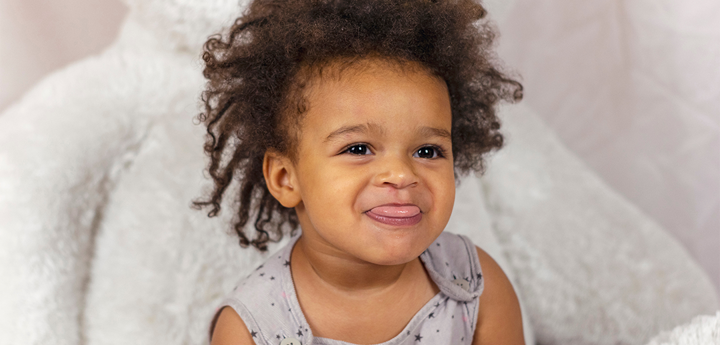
x,y
396,211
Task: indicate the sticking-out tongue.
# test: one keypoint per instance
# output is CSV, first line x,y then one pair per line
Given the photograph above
x,y
396,211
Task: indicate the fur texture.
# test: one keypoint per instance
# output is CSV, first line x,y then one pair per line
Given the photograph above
x,y
592,268
702,330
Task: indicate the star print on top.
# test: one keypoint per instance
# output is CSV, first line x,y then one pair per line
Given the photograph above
x,y
267,303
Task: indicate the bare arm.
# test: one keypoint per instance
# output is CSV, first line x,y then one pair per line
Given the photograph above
x,y
231,330
499,318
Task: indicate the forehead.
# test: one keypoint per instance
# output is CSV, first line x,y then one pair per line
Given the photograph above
x,y
383,93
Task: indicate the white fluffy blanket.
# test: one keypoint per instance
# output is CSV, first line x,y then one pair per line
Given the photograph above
x,y
98,245
702,330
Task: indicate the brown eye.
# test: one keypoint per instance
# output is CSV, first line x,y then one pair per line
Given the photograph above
x,y
360,149
427,152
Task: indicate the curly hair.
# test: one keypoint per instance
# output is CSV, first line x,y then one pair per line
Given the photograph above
x,y
254,87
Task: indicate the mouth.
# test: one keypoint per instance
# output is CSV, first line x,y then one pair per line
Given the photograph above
x,y
396,214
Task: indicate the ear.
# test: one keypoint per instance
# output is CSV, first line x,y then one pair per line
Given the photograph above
x,y
280,179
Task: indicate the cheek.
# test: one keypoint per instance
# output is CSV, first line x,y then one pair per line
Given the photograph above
x,y
443,191
448,199
330,189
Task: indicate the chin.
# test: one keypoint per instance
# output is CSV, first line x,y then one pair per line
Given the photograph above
x,y
398,251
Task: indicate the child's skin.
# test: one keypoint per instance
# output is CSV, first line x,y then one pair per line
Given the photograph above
x,y
375,143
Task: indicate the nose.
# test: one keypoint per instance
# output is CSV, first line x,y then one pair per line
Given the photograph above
x,y
396,172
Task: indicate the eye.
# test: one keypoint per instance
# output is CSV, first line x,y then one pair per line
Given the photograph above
x,y
358,149
428,152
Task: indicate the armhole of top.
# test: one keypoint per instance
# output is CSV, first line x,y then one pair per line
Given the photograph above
x,y
239,309
214,321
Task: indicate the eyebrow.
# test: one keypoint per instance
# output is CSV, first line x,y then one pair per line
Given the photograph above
x,y
424,131
364,128
435,132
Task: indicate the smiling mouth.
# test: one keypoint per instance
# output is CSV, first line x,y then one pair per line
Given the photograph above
x,y
396,215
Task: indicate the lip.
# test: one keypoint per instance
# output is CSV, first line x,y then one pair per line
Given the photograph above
x,y
396,214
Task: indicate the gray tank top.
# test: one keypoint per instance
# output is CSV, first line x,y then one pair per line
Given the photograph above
x,y
267,303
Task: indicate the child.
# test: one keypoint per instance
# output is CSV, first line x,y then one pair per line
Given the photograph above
x,y
351,119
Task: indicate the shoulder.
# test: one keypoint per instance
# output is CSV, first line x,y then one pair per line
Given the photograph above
x,y
230,329
261,306
453,258
236,320
499,319
454,245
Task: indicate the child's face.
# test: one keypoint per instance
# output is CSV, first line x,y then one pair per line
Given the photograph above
x,y
374,167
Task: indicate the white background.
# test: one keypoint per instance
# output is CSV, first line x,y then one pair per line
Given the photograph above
x,y
632,87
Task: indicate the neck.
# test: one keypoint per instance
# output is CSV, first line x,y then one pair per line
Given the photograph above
x,y
328,269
